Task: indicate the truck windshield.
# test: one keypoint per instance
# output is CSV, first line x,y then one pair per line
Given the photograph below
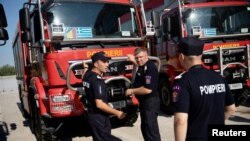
x,y
217,21
94,20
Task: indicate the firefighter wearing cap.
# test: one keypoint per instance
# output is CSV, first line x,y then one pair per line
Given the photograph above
x,y
97,99
145,89
201,97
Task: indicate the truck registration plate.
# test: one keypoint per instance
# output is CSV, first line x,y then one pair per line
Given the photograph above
x,y
235,86
118,104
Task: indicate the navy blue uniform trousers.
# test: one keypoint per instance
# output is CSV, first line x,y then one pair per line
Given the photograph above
x,y
149,125
101,127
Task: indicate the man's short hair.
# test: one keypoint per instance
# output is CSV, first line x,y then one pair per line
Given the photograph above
x,y
140,49
191,46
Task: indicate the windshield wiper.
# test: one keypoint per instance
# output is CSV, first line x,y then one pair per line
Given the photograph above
x,y
73,45
101,44
127,43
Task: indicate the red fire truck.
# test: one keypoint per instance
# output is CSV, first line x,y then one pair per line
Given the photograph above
x,y
3,23
224,26
54,38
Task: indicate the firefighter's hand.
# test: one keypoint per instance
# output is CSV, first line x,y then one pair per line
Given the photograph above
x,y
129,92
121,115
131,58
85,68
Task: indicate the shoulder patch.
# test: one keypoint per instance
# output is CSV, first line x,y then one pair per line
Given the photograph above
x,y
175,94
148,79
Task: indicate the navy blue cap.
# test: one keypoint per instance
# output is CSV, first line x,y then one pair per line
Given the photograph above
x,y
100,56
191,46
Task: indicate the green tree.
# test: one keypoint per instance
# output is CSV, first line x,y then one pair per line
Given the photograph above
x,y
7,70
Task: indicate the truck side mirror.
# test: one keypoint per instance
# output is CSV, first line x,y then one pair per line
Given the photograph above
x,y
24,19
156,22
168,28
3,23
187,13
24,16
169,25
4,34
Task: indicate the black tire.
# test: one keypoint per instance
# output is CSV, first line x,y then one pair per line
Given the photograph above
x,y
42,133
25,114
31,118
38,126
166,97
131,117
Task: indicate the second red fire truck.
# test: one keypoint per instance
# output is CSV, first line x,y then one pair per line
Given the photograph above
x,y
224,26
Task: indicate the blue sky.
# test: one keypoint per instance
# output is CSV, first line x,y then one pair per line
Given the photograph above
x,y
12,11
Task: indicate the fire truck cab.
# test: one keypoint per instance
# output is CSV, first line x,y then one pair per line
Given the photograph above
x,y
54,38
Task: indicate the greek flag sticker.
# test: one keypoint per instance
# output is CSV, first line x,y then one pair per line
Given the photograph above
x,y
84,32
209,32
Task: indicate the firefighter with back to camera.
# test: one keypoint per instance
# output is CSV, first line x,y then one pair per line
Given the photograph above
x,y
201,97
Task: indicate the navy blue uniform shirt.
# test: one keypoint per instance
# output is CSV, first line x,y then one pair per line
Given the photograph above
x,y
95,88
147,76
203,94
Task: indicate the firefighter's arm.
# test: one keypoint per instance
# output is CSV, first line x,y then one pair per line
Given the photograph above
x,y
229,110
85,68
107,109
138,91
180,126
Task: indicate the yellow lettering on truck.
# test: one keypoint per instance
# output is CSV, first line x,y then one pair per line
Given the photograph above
x,y
110,53
226,46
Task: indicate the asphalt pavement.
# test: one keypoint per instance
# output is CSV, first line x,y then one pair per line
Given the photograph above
x,y
13,127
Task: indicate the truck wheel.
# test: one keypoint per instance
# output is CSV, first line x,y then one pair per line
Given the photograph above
x,y
31,118
38,126
25,114
131,117
241,99
42,133
166,97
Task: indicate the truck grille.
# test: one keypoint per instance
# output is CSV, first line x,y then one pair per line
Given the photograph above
x,y
116,90
229,56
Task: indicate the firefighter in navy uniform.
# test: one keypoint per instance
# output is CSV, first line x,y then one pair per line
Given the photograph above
x,y
145,89
201,97
96,95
